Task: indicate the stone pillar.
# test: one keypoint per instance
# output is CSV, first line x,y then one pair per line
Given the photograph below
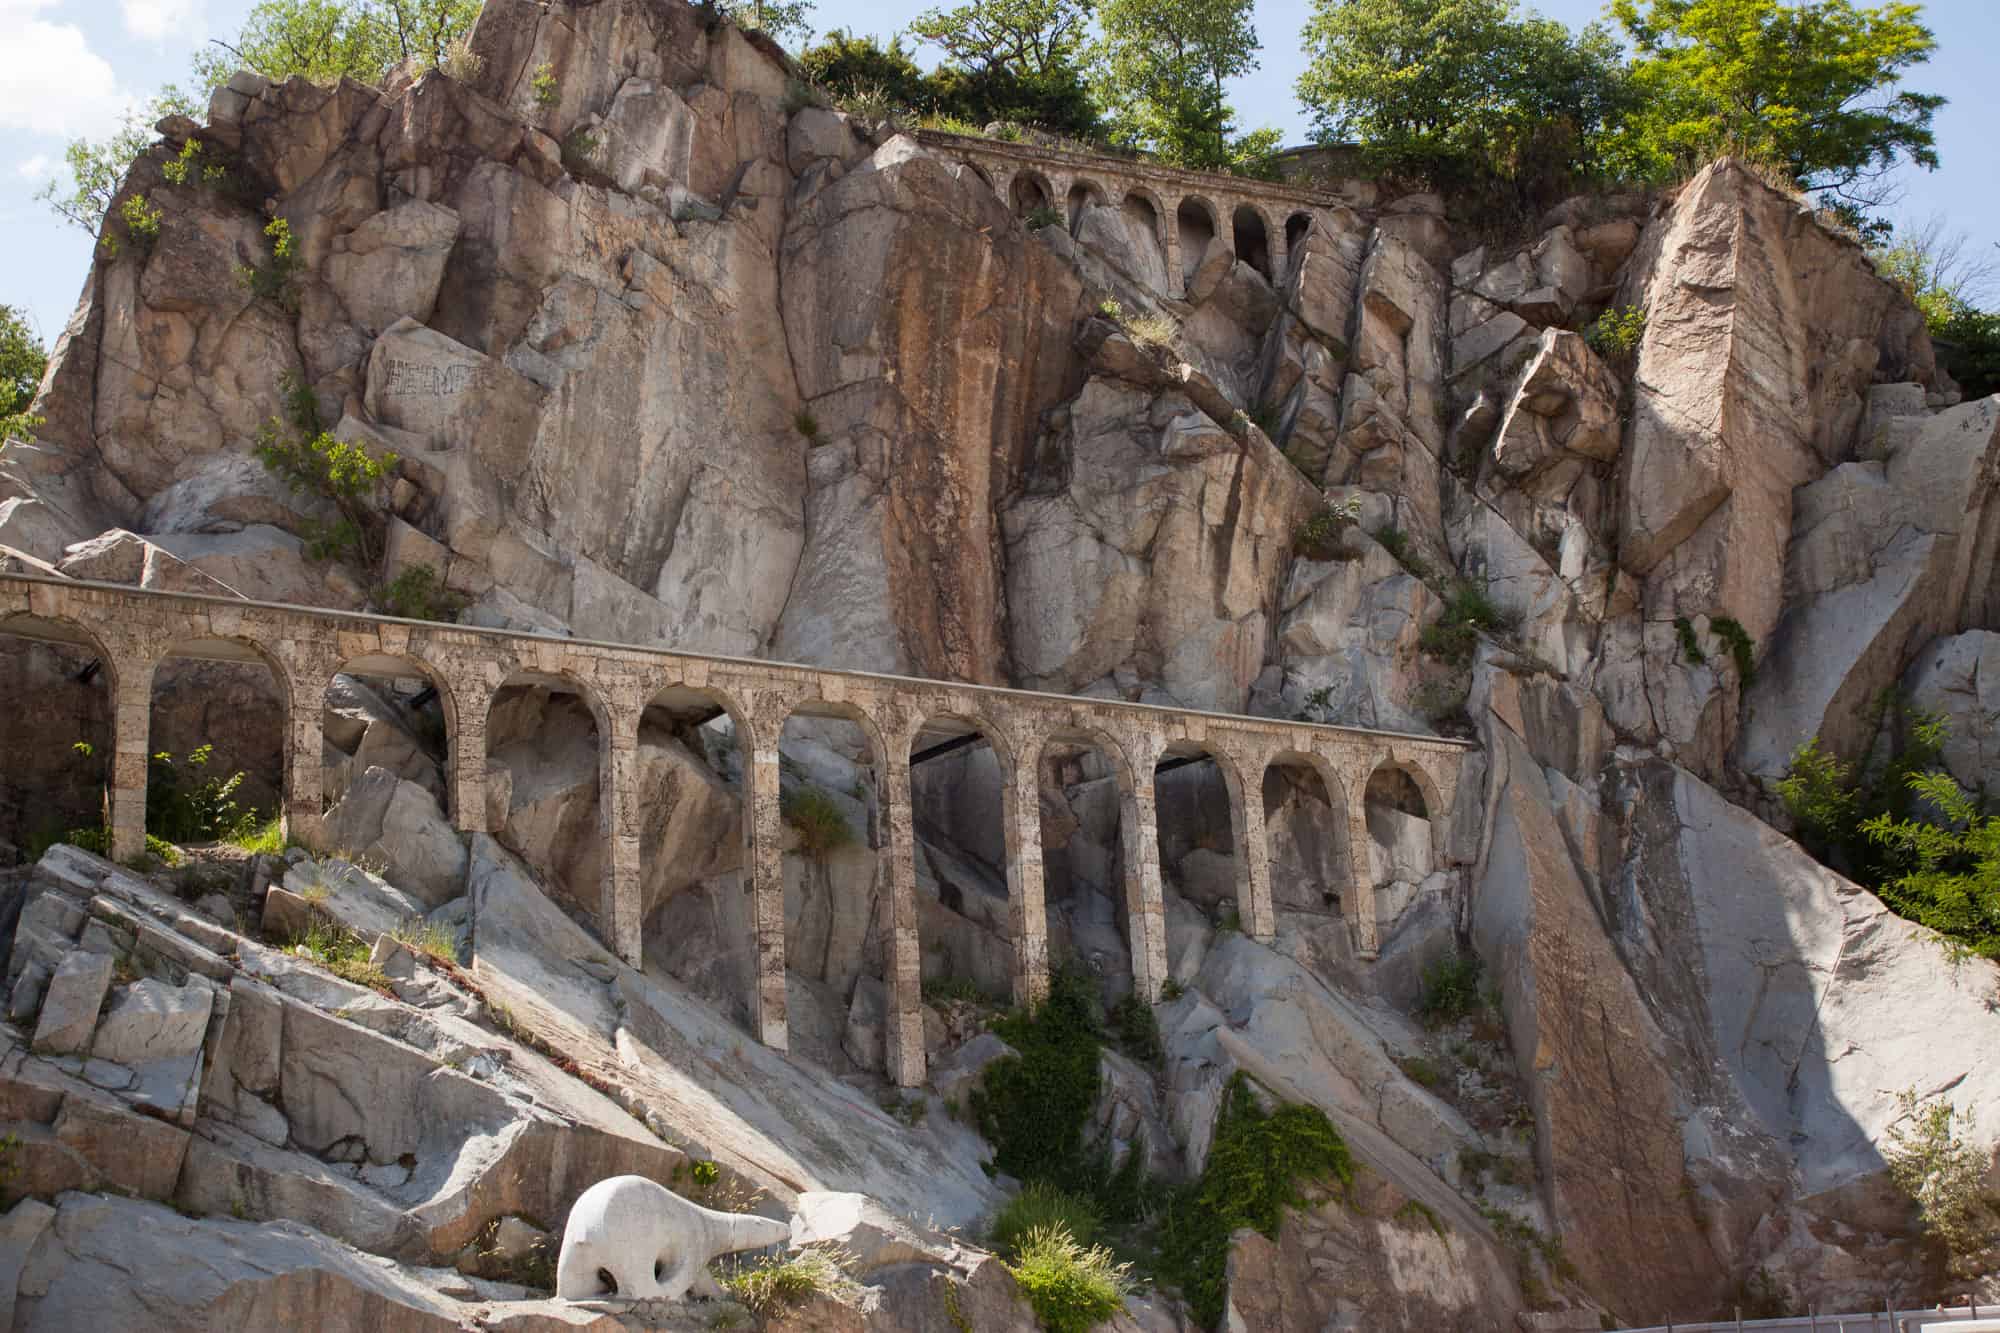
x,y
902,962
131,729
1253,852
1361,915
618,761
766,859
1176,281
305,667
1027,916
1275,240
471,704
1145,897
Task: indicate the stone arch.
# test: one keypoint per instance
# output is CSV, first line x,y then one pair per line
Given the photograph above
x,y
1297,227
992,857
1396,791
239,649
1289,773
409,664
1083,193
1251,236
1184,753
1196,224
1122,877
598,855
47,784
1028,191
982,173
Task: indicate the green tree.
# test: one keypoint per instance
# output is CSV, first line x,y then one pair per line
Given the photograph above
x,y
1812,87
1162,67
22,361
1014,60
97,167
1953,282
846,66
327,40
782,19
1953,849
1461,90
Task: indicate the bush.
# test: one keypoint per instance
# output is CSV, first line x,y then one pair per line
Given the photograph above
x,y
142,222
341,952
821,824
1043,216
1468,610
417,594
1138,1029
1451,989
1040,1205
545,87
1829,802
1072,1289
769,1286
1615,335
1953,884
1258,1166
1156,333
1034,1106
1318,538
1945,1176
311,461
1397,543
185,804
277,279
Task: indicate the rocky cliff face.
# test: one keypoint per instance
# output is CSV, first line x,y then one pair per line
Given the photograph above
x,y
676,356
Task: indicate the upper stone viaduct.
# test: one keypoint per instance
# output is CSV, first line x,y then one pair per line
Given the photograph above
x,y
131,632
1260,220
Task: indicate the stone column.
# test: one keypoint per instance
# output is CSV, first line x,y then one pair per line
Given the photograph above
x,y
1275,241
1253,852
619,908
765,720
1176,281
1361,916
1145,897
308,668
471,704
131,729
1027,915
902,962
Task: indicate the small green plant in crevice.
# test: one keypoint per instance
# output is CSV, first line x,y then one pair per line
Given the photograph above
x,y
772,1285
1229,921
1441,700
1742,649
1154,332
1259,1164
427,938
545,87
1933,1161
341,952
1469,610
820,822
277,278
1397,543
1316,706
192,166
807,425
1451,989
579,152
1318,537
1415,1214
1528,1244
1615,335
1071,1288
1269,418
1040,1205
1691,651
265,839
1420,1071
142,222
311,461
1042,216
954,990
416,593
1138,1029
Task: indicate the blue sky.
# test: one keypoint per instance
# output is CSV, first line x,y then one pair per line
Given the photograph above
x,y
74,66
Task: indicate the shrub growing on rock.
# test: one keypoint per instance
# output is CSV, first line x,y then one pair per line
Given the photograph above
x,y
1039,1206
1072,1289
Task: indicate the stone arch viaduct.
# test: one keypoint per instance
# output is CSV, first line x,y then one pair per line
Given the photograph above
x,y
1259,220
131,632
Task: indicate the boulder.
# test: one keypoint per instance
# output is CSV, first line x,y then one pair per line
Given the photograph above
x,y
390,267
70,1004
398,822
1958,676
362,902
654,1244
874,1237
30,526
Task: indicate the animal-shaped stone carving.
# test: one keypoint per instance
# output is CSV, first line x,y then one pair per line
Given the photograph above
x,y
654,1244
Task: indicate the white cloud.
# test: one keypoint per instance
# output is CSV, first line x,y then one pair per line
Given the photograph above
x,y
55,83
35,168
152,20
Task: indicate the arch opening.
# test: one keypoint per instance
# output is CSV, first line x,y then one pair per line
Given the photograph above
x,y
1252,239
698,924
1401,840
391,713
1297,227
958,795
546,776
1199,829
1305,835
1082,194
1194,223
55,758
1089,822
838,917
1030,192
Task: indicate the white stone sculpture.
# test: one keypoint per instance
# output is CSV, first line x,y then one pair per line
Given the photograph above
x,y
654,1244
